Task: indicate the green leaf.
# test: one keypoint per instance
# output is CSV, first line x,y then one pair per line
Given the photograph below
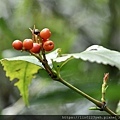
x,y
94,53
53,55
30,59
118,108
58,65
23,68
34,60
23,71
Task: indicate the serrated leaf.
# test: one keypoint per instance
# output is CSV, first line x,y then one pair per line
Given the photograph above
x,y
23,71
95,53
23,68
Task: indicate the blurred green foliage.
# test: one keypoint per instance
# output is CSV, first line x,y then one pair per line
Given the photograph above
x,y
75,25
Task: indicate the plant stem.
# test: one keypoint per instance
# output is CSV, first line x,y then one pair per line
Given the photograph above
x,y
96,102
57,77
108,110
44,62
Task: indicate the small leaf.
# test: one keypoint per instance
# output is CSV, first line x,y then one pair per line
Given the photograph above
x,y
94,108
95,53
23,71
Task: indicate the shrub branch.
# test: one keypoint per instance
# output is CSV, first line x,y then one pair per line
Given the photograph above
x,y
56,76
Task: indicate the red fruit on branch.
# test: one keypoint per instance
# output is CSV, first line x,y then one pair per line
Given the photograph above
x,y
36,48
28,44
45,33
48,45
17,44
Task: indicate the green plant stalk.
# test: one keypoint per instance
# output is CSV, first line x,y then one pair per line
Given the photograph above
x,y
44,62
60,79
96,102
104,86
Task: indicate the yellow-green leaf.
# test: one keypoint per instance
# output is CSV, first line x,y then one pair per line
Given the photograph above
x,y
22,70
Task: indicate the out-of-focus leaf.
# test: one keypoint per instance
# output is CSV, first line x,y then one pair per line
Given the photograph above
x,y
95,53
118,108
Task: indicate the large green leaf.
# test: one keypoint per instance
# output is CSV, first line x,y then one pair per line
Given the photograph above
x,y
23,68
23,71
94,53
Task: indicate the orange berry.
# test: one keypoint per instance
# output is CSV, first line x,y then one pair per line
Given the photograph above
x,y
28,44
48,45
36,48
45,33
17,44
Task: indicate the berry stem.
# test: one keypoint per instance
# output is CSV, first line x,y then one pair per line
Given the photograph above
x,y
44,62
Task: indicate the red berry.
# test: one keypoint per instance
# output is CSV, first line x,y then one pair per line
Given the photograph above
x,y
17,44
28,44
44,40
36,48
48,45
45,33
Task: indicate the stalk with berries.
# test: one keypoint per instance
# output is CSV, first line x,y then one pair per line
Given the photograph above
x,y
38,45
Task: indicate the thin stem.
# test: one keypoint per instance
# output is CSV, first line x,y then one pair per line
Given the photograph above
x,y
38,57
44,62
96,102
108,110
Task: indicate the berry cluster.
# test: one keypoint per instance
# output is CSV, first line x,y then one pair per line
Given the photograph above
x,y
40,41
